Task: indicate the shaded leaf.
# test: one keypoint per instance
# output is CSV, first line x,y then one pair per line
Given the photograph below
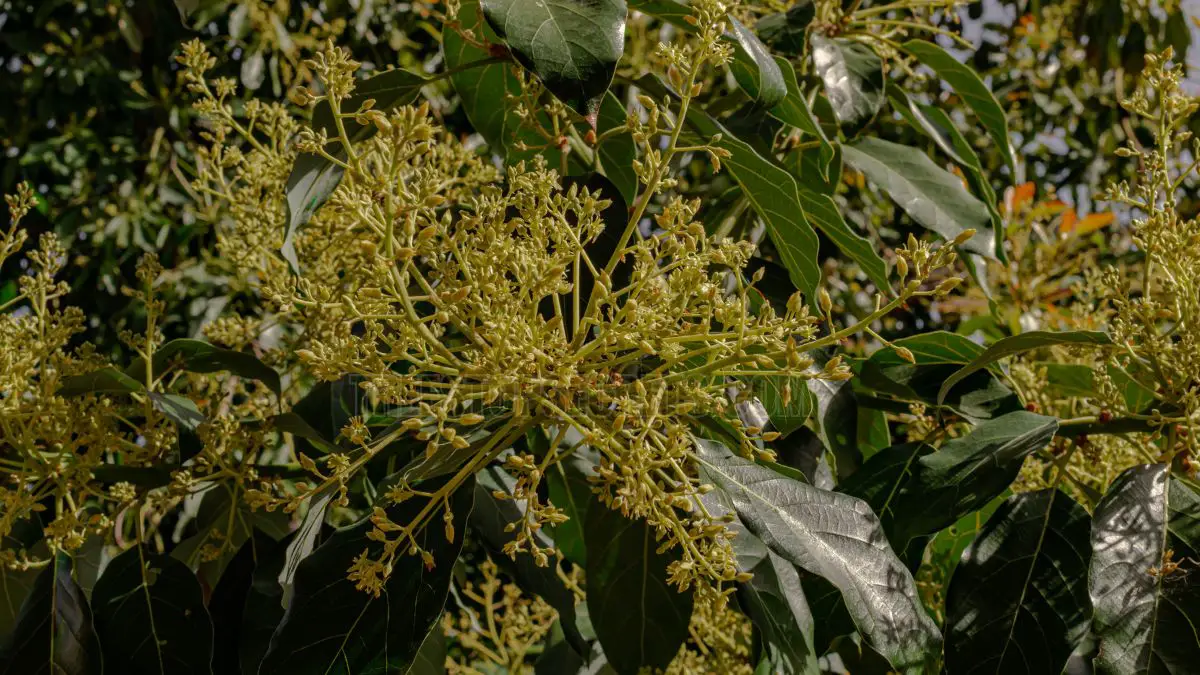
x,y
785,32
823,212
625,570
774,601
197,356
150,616
794,110
107,380
929,194
54,633
1018,601
617,153
332,628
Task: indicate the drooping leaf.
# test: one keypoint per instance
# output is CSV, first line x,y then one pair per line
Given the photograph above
x,y
1022,343
785,32
1145,619
197,356
837,422
824,214
794,110
302,543
490,518
968,85
853,77
150,616
107,380
571,45
333,628
54,633
837,537
617,153
756,71
1018,601
774,601
625,570
774,195
929,194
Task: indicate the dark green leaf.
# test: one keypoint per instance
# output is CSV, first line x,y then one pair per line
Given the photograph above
x,y
617,153
104,381
625,571
150,616
431,658
784,418
1018,601
837,537
794,110
971,88
853,77
785,32
756,71
302,543
775,197
490,518
837,422
1022,343
312,181
54,633
774,601
571,45
332,628
197,356
571,491
390,89
823,212
263,608
228,604
966,473
929,194
1145,622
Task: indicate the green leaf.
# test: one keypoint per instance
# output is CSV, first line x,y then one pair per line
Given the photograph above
x,y
1018,601
931,349
794,110
837,422
571,45
617,153
179,409
107,380
150,616
640,618
775,197
489,520
1183,521
784,418
54,633
571,491
1144,622
837,537
823,212
756,71
853,77
229,607
197,356
785,32
932,196
312,181
774,601
966,473
332,628
1022,343
970,88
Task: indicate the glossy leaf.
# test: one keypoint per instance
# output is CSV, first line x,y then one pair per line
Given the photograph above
x,y
755,69
571,45
837,537
1018,601
150,616
853,77
1145,621
626,570
332,628
312,181
929,194
794,110
1022,343
968,85
774,601
54,633
837,422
